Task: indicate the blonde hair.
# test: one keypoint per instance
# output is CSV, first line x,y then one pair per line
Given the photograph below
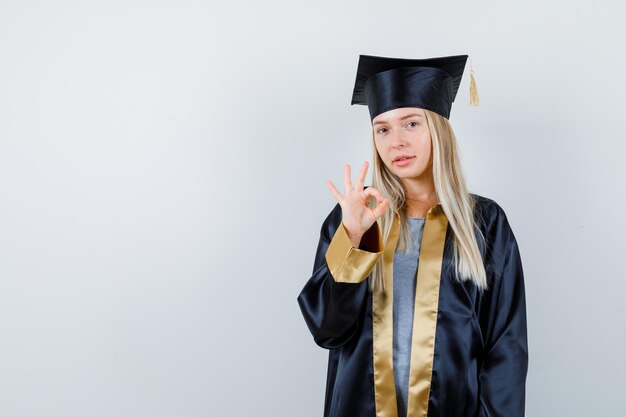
x,y
455,199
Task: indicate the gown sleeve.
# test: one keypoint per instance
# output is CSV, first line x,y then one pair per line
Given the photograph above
x,y
502,379
335,294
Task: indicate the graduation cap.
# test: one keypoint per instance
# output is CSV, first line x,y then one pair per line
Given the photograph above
x,y
387,83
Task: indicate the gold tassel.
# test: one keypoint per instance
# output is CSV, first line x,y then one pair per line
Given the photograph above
x,y
474,101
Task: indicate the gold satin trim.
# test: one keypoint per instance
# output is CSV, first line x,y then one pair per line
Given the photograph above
x,y
424,319
426,311
347,263
382,322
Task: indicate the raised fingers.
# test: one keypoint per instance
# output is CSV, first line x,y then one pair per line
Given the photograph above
x,y
347,181
360,181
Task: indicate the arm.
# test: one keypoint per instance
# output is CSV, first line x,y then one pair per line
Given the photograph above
x,y
335,295
502,379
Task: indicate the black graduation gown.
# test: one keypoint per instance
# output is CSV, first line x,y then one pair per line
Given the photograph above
x,y
469,353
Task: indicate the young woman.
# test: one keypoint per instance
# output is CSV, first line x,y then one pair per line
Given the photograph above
x,y
417,288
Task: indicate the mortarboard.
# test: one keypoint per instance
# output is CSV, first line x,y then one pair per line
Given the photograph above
x,y
387,83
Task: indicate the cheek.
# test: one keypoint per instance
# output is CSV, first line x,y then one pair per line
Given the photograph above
x,y
424,144
381,152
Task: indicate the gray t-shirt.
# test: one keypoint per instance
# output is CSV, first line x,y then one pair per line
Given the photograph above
x,y
404,280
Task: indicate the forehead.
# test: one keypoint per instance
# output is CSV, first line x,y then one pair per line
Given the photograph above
x,y
398,114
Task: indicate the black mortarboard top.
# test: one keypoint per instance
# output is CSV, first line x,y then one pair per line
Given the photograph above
x,y
387,83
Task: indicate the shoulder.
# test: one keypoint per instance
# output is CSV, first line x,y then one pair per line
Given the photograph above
x,y
496,230
484,207
492,220
489,215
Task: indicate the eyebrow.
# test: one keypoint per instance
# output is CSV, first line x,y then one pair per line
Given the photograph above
x,y
402,118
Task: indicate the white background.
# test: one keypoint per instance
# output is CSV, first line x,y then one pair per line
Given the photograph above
x,y
162,186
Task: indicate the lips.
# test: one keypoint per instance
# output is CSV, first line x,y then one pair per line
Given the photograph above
x,y
402,157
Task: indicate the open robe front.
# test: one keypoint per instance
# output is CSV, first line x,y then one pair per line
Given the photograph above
x,y
469,354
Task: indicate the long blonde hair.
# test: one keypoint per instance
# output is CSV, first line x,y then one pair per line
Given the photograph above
x,y
456,202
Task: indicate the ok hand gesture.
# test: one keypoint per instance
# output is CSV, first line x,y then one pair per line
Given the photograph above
x,y
358,217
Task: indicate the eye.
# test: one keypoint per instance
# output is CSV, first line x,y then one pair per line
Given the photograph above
x,y
381,130
412,124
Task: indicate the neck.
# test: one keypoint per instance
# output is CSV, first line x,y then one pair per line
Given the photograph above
x,y
420,195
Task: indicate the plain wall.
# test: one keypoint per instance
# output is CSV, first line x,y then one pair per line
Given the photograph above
x,y
162,188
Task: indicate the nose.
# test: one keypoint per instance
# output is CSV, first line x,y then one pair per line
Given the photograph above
x,y
398,140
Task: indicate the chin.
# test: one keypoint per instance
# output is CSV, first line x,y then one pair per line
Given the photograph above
x,y
406,174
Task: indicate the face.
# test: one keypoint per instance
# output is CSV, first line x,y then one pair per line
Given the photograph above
x,y
403,132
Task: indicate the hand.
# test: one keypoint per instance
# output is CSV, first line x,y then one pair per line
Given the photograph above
x,y
358,217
